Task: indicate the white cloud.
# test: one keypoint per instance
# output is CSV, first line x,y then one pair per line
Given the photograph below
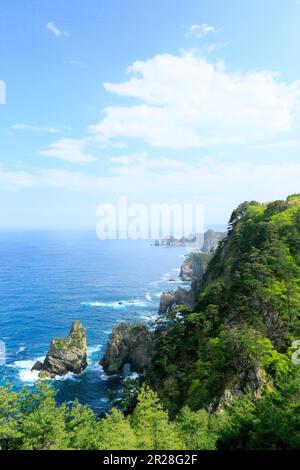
x,y
27,127
219,185
56,31
70,150
283,144
200,30
187,102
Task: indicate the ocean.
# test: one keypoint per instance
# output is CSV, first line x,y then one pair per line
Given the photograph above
x,y
47,280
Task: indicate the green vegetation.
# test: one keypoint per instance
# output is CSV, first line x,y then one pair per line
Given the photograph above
x,y
222,375
31,420
247,314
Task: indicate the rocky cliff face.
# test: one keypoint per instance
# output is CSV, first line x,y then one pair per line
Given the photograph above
x,y
194,266
205,242
65,354
128,344
212,240
192,269
170,299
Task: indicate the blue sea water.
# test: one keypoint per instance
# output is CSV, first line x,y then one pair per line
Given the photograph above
x,y
47,280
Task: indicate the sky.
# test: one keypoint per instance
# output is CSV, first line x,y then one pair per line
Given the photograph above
x,y
160,101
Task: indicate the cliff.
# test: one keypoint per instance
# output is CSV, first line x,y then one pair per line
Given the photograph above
x,y
194,266
205,242
234,341
170,299
212,240
128,344
65,354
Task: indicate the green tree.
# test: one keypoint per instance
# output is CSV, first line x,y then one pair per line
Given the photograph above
x,y
151,424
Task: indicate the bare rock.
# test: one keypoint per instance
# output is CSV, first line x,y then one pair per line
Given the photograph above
x,y
128,344
170,299
65,354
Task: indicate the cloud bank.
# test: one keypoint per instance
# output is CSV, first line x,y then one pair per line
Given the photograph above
x,y
183,101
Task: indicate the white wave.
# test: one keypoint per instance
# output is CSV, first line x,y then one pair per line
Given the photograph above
x,y
167,277
21,349
29,376
68,376
26,363
149,317
158,294
93,349
117,305
104,376
148,297
24,367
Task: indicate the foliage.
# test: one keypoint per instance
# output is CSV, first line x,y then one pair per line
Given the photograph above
x,y
221,376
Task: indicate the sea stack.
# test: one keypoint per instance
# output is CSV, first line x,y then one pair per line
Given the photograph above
x,y
128,344
65,354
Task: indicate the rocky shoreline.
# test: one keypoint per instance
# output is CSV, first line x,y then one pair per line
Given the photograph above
x,y
132,344
135,344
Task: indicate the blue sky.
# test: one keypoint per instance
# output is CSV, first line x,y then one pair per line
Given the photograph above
x,y
162,101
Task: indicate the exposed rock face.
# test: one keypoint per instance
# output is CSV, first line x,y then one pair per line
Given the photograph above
x,y
192,270
205,242
128,344
211,240
253,381
275,326
174,297
65,354
194,266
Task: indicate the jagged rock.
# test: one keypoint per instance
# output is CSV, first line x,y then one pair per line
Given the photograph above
x,y
205,242
128,344
212,240
194,266
275,326
252,381
38,366
174,297
65,354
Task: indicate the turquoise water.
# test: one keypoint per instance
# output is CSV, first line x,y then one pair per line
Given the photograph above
x,y
47,280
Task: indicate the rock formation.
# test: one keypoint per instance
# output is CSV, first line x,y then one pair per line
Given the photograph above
x,y
65,354
192,270
205,242
194,266
212,240
128,344
170,299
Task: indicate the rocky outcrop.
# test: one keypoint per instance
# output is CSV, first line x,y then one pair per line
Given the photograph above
x,y
192,270
205,242
128,344
194,266
170,299
212,240
251,381
65,354
171,241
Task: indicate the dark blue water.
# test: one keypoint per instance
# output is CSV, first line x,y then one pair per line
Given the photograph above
x,y
47,280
